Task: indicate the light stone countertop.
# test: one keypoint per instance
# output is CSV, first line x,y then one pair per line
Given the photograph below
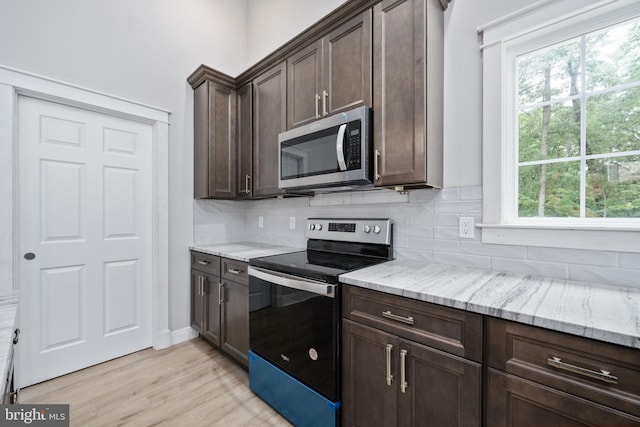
x,y
8,314
244,251
602,312
605,313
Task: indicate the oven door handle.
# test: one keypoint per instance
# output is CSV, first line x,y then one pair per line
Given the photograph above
x,y
294,282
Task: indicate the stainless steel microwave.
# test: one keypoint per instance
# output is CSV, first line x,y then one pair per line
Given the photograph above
x,y
329,154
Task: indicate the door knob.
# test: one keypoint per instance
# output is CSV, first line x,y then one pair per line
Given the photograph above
x,y
29,256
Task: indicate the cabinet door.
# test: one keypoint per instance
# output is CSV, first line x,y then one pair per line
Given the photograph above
x,y
439,387
408,79
197,301
269,119
245,140
234,334
516,402
214,141
212,309
368,393
346,66
304,85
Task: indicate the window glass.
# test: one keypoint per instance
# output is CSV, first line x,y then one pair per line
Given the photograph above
x,y
578,126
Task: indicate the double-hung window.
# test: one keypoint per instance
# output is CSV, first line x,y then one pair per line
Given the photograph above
x,y
561,126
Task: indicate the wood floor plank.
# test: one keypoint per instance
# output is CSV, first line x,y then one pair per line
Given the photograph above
x,y
189,384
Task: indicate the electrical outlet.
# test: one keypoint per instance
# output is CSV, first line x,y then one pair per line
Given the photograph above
x,y
292,222
260,221
465,227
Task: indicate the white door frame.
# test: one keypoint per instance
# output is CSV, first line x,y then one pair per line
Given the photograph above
x,y
14,83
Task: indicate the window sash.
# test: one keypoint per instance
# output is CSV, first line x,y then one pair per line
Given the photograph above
x,y
512,165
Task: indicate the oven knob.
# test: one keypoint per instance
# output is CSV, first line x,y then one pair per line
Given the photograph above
x,y
318,227
312,227
367,229
376,229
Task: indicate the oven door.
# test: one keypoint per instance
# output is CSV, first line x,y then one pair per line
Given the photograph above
x,y
294,324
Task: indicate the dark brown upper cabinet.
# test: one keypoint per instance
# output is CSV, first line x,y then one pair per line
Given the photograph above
x,y
408,70
269,119
245,141
214,136
385,54
332,74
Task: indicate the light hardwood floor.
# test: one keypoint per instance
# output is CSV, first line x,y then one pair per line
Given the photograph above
x,y
189,384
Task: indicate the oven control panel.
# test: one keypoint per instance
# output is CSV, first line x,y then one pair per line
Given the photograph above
x,y
361,230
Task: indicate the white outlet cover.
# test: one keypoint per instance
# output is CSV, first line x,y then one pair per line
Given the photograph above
x,y
292,222
260,221
466,227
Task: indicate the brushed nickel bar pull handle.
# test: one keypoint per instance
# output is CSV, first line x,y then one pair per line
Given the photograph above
x,y
234,271
246,184
603,375
220,293
203,262
376,171
389,315
200,285
389,375
317,103
403,371
324,103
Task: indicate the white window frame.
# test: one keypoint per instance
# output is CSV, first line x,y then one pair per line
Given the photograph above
x,y
540,24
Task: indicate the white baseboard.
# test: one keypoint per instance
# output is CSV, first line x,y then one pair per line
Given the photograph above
x,y
184,334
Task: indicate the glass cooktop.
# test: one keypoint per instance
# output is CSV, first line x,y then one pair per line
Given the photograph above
x,y
318,265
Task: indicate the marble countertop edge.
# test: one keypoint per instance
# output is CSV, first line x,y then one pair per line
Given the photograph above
x,y
577,308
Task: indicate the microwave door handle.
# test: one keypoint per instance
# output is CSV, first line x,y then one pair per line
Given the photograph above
x,y
340,147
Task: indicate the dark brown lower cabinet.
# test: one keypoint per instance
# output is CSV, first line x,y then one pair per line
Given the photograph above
x,y
516,402
220,303
390,381
542,378
234,333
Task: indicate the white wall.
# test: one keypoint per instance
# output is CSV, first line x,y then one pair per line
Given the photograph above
x,y
141,50
272,23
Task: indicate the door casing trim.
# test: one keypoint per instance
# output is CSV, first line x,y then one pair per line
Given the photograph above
x,y
14,83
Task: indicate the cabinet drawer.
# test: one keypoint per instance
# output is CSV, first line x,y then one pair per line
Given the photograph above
x,y
205,262
601,372
513,401
235,270
454,331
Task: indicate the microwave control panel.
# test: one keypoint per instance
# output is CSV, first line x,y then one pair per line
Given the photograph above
x,y
355,152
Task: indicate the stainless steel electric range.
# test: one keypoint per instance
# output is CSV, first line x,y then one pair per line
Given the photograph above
x,y
294,316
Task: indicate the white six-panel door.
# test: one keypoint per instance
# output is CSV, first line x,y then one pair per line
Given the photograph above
x,y
85,212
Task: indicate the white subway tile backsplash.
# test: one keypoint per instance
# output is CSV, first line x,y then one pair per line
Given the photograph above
x,y
501,251
573,256
462,260
458,207
534,268
425,229
618,276
434,245
424,195
445,233
434,219
630,261
413,231
404,253
471,193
